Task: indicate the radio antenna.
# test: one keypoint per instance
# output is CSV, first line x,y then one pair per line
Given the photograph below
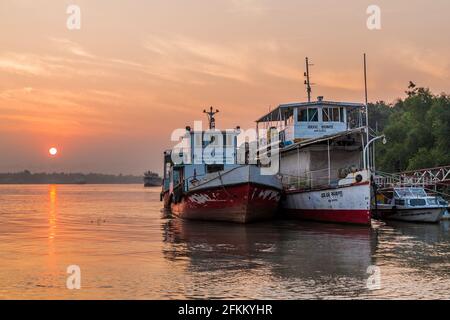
x,y
307,79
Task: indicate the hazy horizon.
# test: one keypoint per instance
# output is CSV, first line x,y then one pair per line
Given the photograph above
x,y
109,95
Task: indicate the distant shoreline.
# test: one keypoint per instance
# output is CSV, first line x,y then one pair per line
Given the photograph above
x,y
68,183
26,177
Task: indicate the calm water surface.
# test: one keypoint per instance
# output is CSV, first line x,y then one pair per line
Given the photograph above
x,y
128,249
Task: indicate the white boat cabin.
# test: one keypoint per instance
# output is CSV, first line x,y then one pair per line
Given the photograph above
x,y
410,197
328,161
321,143
310,120
196,158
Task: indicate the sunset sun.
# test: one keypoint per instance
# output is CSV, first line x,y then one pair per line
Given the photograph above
x,y
53,151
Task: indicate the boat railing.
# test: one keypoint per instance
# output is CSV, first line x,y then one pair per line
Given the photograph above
x,y
308,180
197,180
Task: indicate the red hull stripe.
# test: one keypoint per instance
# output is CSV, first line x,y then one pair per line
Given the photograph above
x,y
327,188
340,216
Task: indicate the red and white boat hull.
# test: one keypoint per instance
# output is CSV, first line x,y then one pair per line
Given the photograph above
x,y
239,195
345,204
239,203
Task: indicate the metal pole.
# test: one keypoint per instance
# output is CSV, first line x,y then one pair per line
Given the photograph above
x,y
329,163
366,100
298,167
373,149
366,147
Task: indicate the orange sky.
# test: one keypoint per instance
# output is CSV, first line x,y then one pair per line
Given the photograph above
x,y
110,94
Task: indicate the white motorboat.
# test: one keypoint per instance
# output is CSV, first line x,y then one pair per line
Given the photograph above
x,y
409,204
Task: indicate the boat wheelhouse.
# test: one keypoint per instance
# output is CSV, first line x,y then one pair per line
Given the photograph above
x,y
325,173
207,182
309,120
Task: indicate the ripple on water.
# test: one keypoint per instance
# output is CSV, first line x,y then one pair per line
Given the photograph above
x,y
127,248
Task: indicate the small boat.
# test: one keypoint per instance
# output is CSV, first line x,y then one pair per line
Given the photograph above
x,y
411,204
222,190
151,179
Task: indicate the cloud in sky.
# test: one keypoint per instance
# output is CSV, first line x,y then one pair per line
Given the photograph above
x,y
71,47
187,54
22,64
251,7
425,60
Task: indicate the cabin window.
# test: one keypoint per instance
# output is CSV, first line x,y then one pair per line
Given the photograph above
x,y
417,202
325,115
210,168
303,115
333,114
313,115
308,115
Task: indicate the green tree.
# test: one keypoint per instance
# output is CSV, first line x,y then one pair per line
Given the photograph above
x,y
418,131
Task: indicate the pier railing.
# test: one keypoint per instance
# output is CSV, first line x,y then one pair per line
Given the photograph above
x,y
430,176
421,178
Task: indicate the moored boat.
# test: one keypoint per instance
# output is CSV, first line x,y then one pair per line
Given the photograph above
x,y
411,204
343,204
151,179
221,190
325,175
239,194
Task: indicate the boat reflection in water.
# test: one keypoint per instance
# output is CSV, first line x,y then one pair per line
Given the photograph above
x,y
277,259
414,260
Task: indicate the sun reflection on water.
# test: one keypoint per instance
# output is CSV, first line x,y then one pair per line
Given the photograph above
x,y
52,212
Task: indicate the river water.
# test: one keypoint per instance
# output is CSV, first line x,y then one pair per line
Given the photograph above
x,y
127,248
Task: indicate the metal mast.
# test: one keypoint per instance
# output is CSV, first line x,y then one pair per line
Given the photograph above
x,y
211,119
307,80
367,105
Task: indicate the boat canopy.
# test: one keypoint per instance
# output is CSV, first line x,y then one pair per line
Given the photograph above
x,y
305,143
284,111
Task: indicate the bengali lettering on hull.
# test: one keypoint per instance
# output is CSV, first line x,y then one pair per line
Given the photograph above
x,y
347,204
240,203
